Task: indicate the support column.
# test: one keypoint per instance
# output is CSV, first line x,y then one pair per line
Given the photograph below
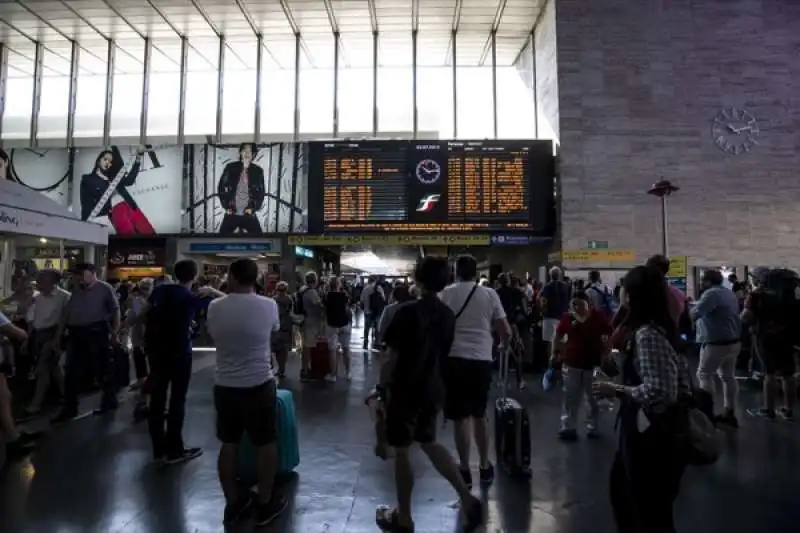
x,y
111,61
288,264
336,53
148,57
3,85
415,109
259,72
90,255
36,104
455,90
533,86
220,88
74,62
296,86
494,82
182,91
375,84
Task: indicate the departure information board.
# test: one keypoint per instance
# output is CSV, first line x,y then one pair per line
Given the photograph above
x,y
438,186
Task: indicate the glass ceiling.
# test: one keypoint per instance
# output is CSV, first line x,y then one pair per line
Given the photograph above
x,y
92,23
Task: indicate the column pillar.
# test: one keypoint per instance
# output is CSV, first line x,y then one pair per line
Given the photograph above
x,y
288,264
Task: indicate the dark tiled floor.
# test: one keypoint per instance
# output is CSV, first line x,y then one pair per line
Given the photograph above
x,y
93,476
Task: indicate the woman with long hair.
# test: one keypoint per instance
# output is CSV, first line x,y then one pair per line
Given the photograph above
x,y
122,211
648,466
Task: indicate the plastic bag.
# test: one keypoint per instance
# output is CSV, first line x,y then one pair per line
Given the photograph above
x,y
551,378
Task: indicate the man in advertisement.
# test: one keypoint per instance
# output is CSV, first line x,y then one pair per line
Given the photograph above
x,y
241,193
103,192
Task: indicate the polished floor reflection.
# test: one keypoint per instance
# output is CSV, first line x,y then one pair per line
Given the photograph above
x,y
94,476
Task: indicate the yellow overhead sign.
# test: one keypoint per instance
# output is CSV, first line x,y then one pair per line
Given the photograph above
x,y
390,240
600,256
678,266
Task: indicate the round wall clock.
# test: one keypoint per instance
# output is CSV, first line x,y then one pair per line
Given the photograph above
x,y
735,130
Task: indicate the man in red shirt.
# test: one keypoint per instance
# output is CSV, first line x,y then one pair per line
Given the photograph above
x,y
580,342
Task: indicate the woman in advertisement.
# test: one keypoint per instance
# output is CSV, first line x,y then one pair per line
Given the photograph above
x,y
241,193
104,193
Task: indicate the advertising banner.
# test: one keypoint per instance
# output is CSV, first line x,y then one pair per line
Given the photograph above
x,y
249,189
132,190
41,170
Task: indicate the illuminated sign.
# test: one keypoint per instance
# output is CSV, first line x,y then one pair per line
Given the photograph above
x,y
449,186
390,240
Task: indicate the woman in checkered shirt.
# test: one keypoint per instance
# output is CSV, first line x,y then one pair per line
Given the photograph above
x,y
647,470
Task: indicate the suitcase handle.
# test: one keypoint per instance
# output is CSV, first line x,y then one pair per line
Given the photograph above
x,y
503,370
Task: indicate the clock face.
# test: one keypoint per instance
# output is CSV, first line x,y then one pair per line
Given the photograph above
x,y
428,171
735,130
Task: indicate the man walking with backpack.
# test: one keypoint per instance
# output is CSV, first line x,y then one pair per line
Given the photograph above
x,y
600,296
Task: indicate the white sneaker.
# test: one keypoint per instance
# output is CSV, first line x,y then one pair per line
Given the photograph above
x,y
330,378
347,376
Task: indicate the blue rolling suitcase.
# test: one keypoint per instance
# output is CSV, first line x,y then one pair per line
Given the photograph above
x,y
288,447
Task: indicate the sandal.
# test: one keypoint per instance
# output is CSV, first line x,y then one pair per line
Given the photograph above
x,y
386,518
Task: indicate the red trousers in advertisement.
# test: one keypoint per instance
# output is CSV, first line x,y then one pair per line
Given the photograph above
x,y
129,221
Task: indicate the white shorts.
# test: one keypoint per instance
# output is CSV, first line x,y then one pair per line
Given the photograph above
x,y
549,329
338,337
311,334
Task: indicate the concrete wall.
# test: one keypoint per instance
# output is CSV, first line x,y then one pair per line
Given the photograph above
x,y
640,83
546,66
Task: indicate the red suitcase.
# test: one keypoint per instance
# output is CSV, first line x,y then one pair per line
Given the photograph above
x,y
320,360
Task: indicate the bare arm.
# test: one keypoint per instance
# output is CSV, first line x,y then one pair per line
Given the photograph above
x,y
13,332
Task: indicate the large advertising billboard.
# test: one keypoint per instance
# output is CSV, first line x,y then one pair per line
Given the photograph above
x,y
132,190
229,190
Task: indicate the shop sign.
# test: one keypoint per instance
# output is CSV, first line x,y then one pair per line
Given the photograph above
x,y
390,240
678,266
240,247
515,240
599,256
134,258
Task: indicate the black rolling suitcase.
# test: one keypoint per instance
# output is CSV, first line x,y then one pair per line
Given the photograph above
x,y
512,438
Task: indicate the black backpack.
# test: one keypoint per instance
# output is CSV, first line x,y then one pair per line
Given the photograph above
x,y
778,306
376,302
299,306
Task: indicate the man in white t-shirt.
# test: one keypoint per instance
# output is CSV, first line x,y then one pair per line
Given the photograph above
x,y
479,313
242,324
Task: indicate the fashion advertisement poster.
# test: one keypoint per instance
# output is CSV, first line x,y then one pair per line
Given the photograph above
x,y
134,190
250,189
41,170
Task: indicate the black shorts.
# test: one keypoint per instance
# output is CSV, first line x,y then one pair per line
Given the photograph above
x,y
467,383
406,425
252,409
777,354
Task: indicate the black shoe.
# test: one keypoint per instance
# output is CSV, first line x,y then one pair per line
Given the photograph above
x,y
64,416
786,414
267,512
473,516
237,510
466,475
727,419
16,449
487,475
181,457
568,435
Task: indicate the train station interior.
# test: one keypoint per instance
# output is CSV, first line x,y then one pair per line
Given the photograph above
x,y
341,143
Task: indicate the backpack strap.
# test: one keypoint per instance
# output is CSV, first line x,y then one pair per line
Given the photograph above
x,y
469,297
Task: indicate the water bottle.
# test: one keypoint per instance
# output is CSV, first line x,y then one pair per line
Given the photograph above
x,y
605,404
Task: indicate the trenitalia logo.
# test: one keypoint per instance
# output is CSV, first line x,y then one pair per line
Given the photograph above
x,y
428,202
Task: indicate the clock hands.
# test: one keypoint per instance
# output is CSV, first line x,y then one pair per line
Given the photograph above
x,y
739,130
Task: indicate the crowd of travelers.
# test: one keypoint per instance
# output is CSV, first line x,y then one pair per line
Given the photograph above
x,y
438,338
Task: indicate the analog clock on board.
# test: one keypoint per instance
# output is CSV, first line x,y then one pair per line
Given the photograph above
x,y
735,130
428,171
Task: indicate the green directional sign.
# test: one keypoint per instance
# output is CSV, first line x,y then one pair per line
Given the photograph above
x,y
598,245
